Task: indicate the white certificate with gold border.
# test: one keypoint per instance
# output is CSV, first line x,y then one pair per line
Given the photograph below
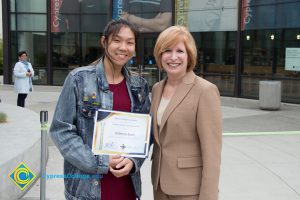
x,y
124,133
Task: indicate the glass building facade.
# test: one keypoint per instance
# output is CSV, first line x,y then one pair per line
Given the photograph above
x,y
240,42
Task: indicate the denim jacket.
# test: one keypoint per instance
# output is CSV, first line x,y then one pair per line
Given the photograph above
x,y
85,90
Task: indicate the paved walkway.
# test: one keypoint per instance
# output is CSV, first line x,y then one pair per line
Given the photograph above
x,y
260,157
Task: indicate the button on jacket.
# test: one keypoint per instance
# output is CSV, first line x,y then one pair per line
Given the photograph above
x,y
85,90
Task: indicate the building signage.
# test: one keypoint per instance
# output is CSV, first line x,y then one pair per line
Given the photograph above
x,y
117,9
212,15
55,15
292,59
270,14
181,8
147,16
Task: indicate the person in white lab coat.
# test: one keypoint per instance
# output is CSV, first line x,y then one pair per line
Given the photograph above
x,y
23,73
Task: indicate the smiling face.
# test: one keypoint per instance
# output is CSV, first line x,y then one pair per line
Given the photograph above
x,y
175,60
120,47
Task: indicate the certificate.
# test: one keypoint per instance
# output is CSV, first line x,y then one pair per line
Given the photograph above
x,y
124,133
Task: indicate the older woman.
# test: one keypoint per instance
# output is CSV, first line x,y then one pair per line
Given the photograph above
x,y
23,73
187,123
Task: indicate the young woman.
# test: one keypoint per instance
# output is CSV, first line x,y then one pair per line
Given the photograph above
x,y
187,123
106,84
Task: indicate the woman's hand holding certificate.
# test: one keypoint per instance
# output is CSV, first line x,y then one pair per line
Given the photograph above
x,y
120,166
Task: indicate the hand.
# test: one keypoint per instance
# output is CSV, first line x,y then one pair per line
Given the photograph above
x,y
28,73
123,168
125,15
114,160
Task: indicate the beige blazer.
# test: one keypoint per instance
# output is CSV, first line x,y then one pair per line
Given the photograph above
x,y
187,148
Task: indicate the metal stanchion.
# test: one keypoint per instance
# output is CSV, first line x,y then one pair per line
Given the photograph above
x,y
44,129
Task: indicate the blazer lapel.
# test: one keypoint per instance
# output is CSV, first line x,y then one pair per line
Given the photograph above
x,y
181,92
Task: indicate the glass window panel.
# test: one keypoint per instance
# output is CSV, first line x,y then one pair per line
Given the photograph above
x,y
12,5
219,52
35,44
38,6
151,17
66,51
68,6
289,40
69,23
149,69
287,14
40,76
258,52
264,55
225,83
216,15
39,49
93,23
95,6
250,87
77,23
59,76
13,22
91,49
31,22
199,65
290,91
65,17
271,14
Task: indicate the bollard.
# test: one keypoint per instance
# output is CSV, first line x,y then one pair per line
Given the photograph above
x,y
269,95
44,129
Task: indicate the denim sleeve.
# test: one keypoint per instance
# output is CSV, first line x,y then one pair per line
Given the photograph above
x,y
64,133
138,162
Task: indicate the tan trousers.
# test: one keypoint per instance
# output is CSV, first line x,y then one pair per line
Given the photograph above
x,y
160,195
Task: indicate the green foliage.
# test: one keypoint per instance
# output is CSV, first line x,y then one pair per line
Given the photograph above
x,y
3,117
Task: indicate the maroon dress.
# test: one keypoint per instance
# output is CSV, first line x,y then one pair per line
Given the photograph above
x,y
113,188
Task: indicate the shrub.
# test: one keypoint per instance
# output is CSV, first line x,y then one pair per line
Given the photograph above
x,y
3,117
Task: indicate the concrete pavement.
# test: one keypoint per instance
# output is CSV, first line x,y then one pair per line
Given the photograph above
x,y
260,157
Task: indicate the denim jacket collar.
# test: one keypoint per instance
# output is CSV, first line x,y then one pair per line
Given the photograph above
x,y
102,81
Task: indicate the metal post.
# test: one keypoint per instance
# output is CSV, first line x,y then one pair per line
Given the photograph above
x,y
44,129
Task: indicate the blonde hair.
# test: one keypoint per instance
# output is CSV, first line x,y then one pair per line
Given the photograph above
x,y
172,36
